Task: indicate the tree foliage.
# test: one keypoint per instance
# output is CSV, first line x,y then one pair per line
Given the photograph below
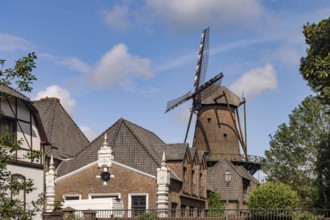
x,y
21,74
323,174
315,67
294,149
216,205
11,188
273,195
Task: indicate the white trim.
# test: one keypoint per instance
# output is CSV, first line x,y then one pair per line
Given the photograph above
x,y
135,170
130,201
95,163
75,171
106,195
71,195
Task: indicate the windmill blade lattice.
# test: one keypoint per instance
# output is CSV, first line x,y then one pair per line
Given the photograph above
x,y
199,81
203,57
178,101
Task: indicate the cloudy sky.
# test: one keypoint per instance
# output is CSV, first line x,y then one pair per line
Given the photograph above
x,y
107,60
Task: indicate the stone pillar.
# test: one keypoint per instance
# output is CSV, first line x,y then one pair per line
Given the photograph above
x,y
163,182
50,186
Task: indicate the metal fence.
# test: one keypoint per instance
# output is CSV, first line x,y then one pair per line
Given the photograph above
x,y
242,214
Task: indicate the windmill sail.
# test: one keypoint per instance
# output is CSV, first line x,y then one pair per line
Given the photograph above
x,y
202,60
199,81
175,102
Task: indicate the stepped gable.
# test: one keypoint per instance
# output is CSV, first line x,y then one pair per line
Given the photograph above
x,y
62,132
217,182
131,145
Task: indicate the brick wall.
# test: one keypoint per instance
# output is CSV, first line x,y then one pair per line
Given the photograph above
x,y
125,181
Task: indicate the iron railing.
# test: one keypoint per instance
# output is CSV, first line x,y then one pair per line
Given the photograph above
x,y
222,214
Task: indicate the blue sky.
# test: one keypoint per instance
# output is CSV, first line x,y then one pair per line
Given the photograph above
x,y
111,59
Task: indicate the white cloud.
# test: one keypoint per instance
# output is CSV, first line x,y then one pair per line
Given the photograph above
x,y
191,13
75,63
12,43
89,133
118,67
288,54
55,91
256,81
118,17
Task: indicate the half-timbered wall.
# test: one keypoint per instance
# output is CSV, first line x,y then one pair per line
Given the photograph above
x,y
21,118
25,129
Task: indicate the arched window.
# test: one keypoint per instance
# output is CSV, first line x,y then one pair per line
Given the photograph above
x,y
17,190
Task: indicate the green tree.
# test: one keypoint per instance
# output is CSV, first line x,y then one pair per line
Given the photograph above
x,y
216,206
273,195
316,65
21,74
323,174
293,151
10,187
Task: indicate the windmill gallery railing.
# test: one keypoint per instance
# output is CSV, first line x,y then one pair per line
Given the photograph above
x,y
222,214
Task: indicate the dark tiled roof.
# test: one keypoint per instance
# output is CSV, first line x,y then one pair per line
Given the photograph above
x,y
216,179
192,152
131,144
216,91
12,92
172,151
61,131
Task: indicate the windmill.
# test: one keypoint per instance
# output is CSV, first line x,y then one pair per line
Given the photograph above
x,y
218,129
199,82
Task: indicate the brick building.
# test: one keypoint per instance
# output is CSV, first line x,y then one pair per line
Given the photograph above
x,y
137,155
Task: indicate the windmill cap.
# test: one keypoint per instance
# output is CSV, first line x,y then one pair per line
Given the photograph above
x,y
232,98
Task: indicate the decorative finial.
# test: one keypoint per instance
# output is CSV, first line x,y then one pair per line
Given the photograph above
x,y
163,160
51,163
105,142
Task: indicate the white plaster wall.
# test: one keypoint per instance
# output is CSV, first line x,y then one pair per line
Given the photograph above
x,y
6,109
37,176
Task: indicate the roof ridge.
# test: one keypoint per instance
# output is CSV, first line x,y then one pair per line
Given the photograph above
x,y
15,91
102,134
127,123
52,118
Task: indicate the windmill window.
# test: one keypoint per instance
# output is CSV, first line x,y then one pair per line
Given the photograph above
x,y
225,135
209,120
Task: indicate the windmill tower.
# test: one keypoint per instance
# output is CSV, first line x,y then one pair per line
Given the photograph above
x,y
218,129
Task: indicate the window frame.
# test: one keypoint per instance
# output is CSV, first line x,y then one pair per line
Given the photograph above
x,y
105,195
71,195
13,131
130,200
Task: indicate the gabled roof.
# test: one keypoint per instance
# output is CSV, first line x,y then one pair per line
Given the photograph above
x,y
216,179
61,131
131,145
6,90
